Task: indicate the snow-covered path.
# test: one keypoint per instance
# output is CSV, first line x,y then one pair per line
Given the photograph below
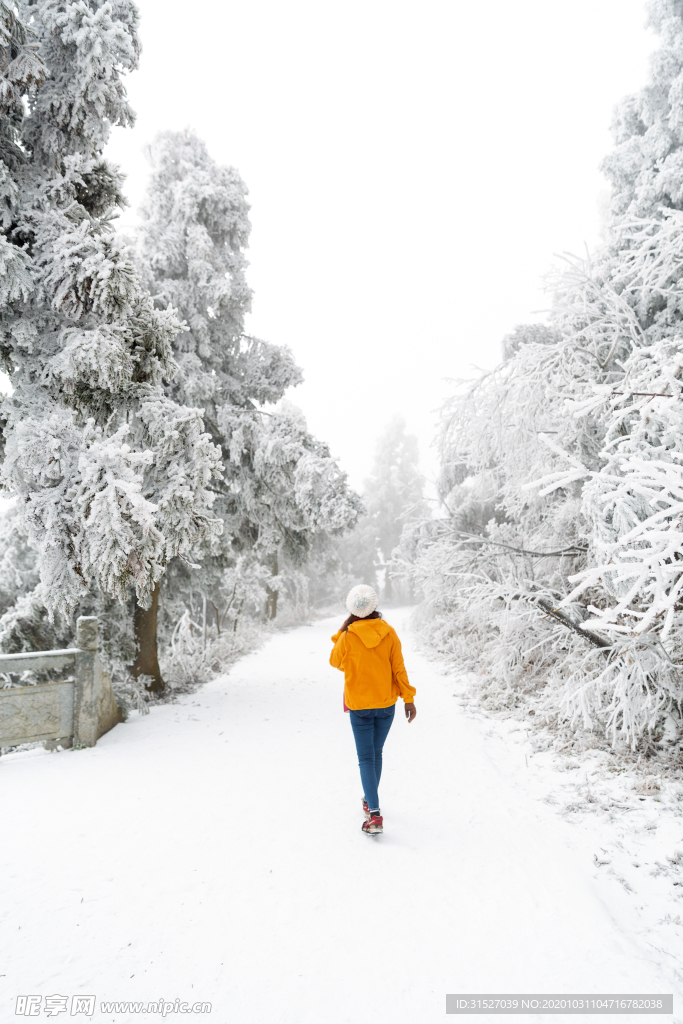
x,y
212,851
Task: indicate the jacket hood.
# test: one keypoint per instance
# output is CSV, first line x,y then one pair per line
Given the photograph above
x,y
370,631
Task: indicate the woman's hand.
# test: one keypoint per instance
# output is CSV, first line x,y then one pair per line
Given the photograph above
x,y
411,712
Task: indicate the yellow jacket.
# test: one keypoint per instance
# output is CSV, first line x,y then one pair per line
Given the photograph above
x,y
369,655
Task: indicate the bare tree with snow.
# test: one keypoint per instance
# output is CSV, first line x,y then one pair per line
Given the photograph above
x,y
571,452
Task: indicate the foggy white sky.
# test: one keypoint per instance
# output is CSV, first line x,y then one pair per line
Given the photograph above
x,y
412,168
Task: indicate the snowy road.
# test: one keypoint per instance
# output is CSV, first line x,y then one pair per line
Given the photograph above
x,y
212,851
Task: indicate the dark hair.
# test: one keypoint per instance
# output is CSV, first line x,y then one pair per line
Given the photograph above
x,y
357,618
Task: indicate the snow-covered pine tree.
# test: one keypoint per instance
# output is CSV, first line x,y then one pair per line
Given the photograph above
x,y
576,439
112,476
280,487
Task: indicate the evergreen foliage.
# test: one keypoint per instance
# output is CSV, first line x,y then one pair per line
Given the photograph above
x,y
89,434
280,488
136,438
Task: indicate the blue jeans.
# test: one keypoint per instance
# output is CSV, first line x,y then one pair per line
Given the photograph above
x,y
370,729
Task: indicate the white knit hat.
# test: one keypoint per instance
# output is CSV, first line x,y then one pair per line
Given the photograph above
x,y
362,601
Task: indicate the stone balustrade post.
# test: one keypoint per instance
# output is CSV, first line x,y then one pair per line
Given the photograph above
x,y
86,672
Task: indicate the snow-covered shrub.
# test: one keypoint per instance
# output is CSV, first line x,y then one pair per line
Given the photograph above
x,y
131,695
195,655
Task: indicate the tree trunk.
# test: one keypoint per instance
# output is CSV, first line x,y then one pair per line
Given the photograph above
x,y
271,601
388,589
147,661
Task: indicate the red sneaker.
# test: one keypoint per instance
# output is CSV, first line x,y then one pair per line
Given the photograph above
x,y
374,825
366,809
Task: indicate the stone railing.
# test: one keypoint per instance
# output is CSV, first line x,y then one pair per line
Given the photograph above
x,y
74,712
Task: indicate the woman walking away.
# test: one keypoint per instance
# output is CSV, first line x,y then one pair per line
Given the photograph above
x,y
368,652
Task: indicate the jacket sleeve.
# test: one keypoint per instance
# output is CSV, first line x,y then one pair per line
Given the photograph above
x,y
398,671
338,650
